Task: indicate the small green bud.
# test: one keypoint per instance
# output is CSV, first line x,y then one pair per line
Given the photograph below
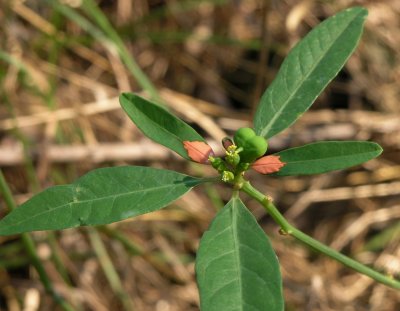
x,y
243,166
231,149
221,167
218,164
233,158
215,162
227,176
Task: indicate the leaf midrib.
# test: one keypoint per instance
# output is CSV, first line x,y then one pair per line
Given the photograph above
x,y
236,246
276,115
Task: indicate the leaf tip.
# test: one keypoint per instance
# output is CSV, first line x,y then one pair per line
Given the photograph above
x,y
268,164
198,151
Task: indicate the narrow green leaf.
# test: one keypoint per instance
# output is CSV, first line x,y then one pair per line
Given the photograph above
x,y
306,71
236,266
100,197
326,156
158,124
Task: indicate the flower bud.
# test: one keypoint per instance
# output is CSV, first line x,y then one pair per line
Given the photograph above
x,y
215,162
227,176
233,158
221,167
243,166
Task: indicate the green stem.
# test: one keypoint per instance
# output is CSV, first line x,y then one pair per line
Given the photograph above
x,y
109,269
31,250
314,244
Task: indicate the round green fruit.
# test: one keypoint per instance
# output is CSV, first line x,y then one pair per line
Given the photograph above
x,y
253,146
242,135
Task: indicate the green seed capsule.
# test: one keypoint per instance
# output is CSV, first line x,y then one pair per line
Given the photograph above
x,y
254,146
242,135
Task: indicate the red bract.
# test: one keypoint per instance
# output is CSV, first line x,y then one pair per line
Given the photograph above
x,y
267,165
198,151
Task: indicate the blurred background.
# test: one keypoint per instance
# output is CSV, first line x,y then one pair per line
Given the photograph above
x,y
62,66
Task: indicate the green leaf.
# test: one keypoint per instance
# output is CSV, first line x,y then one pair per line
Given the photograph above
x,y
158,124
236,266
306,71
326,156
100,197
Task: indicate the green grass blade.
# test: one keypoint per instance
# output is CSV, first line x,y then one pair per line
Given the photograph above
x,y
104,32
236,266
390,234
91,9
326,156
100,197
306,71
158,124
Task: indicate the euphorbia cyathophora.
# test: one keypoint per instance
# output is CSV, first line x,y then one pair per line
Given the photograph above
x,y
245,151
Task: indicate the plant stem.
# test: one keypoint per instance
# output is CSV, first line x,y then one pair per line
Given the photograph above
x,y
287,228
31,250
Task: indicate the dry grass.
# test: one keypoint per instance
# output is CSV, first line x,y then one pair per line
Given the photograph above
x,y
210,61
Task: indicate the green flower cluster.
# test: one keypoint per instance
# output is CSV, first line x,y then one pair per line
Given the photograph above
x,y
245,148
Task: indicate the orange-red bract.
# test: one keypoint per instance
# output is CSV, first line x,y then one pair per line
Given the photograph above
x,y
268,164
198,151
